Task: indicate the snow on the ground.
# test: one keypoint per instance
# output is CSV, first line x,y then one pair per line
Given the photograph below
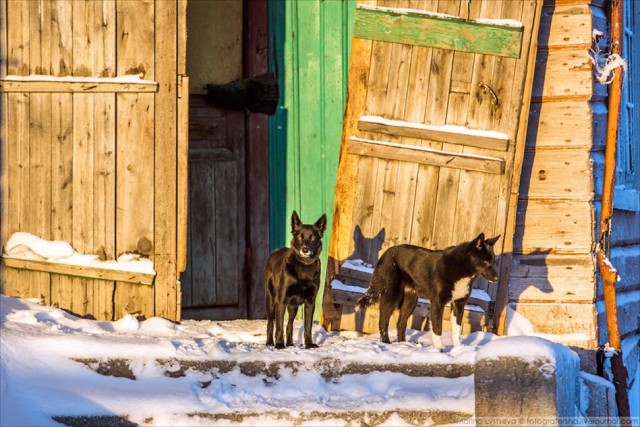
x,y
22,245
39,380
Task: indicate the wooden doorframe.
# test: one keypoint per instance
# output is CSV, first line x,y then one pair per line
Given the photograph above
x,y
255,63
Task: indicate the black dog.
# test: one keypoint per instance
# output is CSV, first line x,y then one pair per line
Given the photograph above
x,y
405,272
292,278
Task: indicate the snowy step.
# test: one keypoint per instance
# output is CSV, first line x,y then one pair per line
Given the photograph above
x,y
328,368
155,372
306,397
291,418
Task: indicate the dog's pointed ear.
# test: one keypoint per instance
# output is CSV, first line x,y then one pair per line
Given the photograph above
x,y
295,222
492,241
478,241
321,224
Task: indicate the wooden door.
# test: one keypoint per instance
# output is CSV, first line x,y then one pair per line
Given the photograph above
x,y
221,281
89,158
432,137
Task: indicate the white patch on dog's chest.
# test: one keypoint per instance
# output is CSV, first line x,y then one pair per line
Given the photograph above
x,y
460,289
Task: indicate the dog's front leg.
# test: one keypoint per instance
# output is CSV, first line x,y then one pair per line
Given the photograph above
x,y
292,311
309,306
280,307
457,311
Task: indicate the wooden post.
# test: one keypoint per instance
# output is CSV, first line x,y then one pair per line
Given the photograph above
x,y
608,273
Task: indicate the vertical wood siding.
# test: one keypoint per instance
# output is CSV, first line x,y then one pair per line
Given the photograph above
x,y
93,169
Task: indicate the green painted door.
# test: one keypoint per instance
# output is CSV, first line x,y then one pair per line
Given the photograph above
x,y
309,43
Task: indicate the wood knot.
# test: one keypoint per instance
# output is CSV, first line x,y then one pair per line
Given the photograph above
x,y
144,246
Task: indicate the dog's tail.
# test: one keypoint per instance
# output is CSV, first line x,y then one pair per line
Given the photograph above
x,y
370,297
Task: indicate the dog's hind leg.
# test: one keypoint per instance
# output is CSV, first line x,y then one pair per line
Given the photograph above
x,y
271,314
436,324
409,302
388,303
292,311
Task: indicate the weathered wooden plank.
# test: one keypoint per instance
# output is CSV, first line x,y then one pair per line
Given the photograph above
x,y
557,174
450,134
570,232
542,277
565,25
258,148
83,187
135,133
80,271
61,42
62,287
422,155
203,249
37,211
165,177
563,75
556,125
18,46
508,88
228,227
36,21
183,172
422,29
5,49
53,86
560,318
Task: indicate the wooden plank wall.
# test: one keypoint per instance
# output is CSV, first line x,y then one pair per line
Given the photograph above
x,y
74,164
400,202
553,272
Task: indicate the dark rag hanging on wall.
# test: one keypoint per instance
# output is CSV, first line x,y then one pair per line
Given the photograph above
x,y
257,94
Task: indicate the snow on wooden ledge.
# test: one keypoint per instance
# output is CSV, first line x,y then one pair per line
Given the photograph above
x,y
403,11
29,252
48,83
461,130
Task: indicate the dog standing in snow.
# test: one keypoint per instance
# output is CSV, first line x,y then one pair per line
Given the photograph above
x,y
406,272
292,278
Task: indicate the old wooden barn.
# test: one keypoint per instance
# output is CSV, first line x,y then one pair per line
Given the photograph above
x,y
143,164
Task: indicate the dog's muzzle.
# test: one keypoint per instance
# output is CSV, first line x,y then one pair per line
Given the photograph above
x,y
491,275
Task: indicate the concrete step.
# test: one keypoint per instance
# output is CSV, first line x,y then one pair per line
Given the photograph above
x,y
284,392
330,369
293,418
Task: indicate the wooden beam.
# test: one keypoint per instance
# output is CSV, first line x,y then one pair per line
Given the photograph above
x,y
416,130
83,271
437,31
425,156
44,86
